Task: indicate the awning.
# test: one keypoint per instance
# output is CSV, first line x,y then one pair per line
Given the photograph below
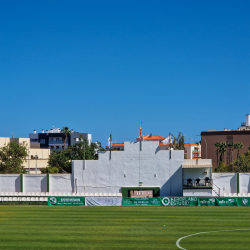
x,y
197,166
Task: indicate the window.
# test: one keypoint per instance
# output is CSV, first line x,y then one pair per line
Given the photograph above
x,y
52,147
57,139
42,141
62,147
57,147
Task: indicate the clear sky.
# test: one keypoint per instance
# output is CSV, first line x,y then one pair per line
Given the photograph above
x,y
106,66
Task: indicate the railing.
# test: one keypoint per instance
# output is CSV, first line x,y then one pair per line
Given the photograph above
x,y
57,142
191,183
218,190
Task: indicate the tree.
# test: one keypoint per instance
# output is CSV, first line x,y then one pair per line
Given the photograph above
x,y
12,157
59,159
217,145
179,141
242,163
238,146
230,145
66,132
51,170
222,150
62,159
221,167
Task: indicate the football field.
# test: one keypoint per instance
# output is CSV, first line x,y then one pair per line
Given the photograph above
x,y
49,227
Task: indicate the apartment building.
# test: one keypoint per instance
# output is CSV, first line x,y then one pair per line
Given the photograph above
x,y
54,138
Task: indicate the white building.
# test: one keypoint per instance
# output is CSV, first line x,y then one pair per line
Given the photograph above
x,y
140,165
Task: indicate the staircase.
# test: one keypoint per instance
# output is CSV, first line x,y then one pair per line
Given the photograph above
x,y
216,191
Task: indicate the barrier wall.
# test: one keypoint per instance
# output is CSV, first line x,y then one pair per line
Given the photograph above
x,y
35,183
227,182
61,183
10,183
244,180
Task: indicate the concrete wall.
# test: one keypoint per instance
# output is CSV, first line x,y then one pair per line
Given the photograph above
x,y
10,183
197,192
195,173
227,182
244,180
4,141
34,183
60,183
150,165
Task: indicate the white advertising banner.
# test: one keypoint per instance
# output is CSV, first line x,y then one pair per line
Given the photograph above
x,y
103,201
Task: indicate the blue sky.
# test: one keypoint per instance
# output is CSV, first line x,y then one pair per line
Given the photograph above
x,y
106,66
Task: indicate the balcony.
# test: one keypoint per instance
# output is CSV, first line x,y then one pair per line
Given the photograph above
x,y
206,183
60,142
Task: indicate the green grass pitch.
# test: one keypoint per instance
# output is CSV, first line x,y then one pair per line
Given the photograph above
x,y
48,227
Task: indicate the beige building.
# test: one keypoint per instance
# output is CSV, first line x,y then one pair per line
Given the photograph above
x,y
37,158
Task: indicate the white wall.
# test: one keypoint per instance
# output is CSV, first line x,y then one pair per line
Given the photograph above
x,y
34,183
10,183
127,168
195,173
227,182
60,183
197,192
244,180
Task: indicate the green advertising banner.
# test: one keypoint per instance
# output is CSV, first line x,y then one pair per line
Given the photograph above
x,y
179,201
66,201
206,201
141,201
160,201
243,201
225,201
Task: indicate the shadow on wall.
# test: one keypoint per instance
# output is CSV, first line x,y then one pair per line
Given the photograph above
x,y
233,184
157,150
44,184
18,184
173,186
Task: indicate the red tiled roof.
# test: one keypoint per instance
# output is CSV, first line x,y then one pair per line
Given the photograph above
x,y
162,144
117,145
186,144
152,137
191,144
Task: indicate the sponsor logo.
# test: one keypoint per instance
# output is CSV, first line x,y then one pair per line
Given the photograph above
x,y
245,202
165,201
53,200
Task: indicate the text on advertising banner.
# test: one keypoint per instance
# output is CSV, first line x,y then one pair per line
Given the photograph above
x,y
206,201
141,201
179,201
66,201
226,201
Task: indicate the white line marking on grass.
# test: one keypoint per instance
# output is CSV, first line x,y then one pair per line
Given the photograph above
x,y
178,241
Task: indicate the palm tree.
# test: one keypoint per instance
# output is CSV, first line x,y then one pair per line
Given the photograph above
x,y
217,145
230,145
222,150
66,132
238,146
